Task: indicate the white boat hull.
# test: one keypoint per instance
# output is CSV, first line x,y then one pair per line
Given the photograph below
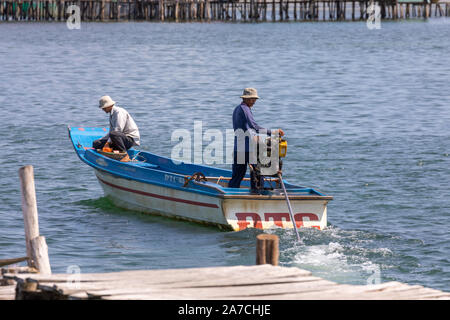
x,y
226,212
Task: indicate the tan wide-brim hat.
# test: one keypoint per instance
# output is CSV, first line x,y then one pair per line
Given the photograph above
x,y
106,102
250,93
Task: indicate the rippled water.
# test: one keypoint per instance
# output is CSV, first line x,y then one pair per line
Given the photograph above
x,y
366,113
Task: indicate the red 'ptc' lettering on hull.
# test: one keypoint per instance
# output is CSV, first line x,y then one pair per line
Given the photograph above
x,y
299,218
243,223
277,218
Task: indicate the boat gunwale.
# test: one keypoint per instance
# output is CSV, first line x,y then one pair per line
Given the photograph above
x,y
223,195
276,197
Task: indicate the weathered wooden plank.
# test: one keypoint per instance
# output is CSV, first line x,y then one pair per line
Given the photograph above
x,y
127,287
7,292
7,262
133,285
192,274
237,282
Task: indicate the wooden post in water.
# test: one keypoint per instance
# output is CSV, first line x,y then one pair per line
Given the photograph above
x,y
40,255
36,246
267,251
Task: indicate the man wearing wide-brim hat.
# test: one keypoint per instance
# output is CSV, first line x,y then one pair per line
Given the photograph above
x,y
243,122
123,131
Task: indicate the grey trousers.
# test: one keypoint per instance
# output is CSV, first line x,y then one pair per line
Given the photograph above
x,y
119,141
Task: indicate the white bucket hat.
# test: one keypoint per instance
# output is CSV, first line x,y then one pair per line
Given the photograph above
x,y
250,93
106,102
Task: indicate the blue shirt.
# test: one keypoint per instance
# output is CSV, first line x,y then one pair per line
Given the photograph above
x,y
243,119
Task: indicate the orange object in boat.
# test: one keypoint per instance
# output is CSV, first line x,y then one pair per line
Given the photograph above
x,y
105,149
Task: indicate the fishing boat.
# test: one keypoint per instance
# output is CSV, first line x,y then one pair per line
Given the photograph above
x,y
158,185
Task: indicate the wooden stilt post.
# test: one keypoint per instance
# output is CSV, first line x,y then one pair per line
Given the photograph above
x,y
208,10
299,14
102,10
281,9
177,10
396,10
161,10
323,11
36,246
267,251
233,11
286,11
294,10
264,11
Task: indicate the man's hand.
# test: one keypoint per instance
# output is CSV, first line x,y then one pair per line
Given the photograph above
x,y
280,132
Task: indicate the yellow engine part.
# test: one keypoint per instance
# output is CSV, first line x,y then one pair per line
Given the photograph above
x,y
282,148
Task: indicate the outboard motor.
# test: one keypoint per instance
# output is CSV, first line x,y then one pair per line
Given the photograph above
x,y
270,150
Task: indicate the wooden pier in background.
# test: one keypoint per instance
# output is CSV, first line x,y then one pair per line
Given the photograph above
x,y
219,10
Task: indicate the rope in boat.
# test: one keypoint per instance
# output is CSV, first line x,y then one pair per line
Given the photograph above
x,y
197,176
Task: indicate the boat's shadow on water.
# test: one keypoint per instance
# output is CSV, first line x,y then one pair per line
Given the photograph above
x,y
104,205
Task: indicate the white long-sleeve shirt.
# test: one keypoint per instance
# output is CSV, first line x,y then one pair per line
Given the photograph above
x,y
120,120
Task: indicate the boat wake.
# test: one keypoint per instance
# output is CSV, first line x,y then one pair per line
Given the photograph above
x,y
343,256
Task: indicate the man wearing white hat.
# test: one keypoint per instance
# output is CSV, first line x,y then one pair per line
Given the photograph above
x,y
244,122
123,131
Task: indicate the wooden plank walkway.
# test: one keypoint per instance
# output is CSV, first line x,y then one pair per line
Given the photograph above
x,y
7,292
7,289
258,282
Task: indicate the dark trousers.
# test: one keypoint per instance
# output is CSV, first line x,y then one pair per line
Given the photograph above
x,y
239,171
119,141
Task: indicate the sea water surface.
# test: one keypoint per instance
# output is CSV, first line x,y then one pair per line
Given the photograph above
x,y
366,114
